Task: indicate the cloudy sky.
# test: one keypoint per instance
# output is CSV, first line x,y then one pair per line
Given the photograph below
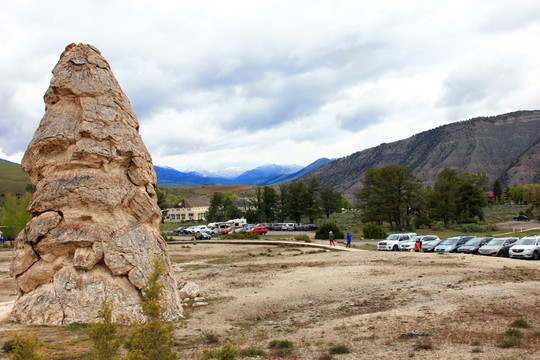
x,y
220,84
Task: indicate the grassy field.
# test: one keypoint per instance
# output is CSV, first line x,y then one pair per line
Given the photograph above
x,y
12,180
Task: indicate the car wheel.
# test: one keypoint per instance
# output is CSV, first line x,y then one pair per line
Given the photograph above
x,y
535,255
395,248
500,254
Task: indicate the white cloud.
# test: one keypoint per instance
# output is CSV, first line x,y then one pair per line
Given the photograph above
x,y
241,83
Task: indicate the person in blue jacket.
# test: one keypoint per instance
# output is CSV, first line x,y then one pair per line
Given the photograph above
x,y
349,239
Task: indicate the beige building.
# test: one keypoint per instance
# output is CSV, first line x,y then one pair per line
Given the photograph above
x,y
188,210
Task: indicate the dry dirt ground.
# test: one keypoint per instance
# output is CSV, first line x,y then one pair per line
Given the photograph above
x,y
376,305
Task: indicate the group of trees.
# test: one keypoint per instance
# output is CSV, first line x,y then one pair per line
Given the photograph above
x,y
393,194
294,201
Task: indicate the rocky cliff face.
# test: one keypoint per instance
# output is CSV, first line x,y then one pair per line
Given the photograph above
x,y
505,147
95,226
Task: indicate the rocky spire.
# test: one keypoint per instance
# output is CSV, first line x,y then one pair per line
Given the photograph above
x,y
95,226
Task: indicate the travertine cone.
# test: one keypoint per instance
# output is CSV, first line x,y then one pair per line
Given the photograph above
x,y
95,226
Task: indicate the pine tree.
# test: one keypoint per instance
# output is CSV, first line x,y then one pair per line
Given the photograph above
x,y
152,340
104,334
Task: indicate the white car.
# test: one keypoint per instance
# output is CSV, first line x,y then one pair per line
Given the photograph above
x,y
409,244
195,229
391,243
527,247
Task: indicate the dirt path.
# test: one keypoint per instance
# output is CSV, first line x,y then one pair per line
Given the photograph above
x,y
375,304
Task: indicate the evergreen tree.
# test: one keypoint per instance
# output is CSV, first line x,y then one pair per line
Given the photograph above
x,y
312,203
389,193
104,334
497,190
331,200
152,340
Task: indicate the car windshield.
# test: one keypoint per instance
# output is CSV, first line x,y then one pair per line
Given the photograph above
x,y
495,242
431,242
526,241
473,242
449,241
392,237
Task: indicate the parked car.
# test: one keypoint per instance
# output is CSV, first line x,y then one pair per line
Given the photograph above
x,y
452,244
521,218
429,246
409,244
310,227
472,245
391,243
259,229
202,235
213,231
288,226
527,247
498,246
244,229
179,230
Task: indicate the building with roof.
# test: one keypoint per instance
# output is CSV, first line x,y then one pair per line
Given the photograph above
x,y
194,209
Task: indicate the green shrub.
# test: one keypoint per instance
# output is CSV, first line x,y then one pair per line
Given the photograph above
x,y
374,231
324,230
304,238
23,346
511,338
252,352
520,323
104,334
339,349
227,352
282,347
154,339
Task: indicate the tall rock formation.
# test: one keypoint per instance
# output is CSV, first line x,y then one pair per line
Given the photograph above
x,y
95,226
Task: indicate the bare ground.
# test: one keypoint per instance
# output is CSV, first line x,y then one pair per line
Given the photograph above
x,y
377,305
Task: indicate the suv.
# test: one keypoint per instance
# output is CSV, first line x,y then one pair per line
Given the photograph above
x,y
521,218
527,247
498,246
391,243
409,244
452,244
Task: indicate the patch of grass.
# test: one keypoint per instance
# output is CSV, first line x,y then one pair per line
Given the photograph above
x,y
195,267
339,349
511,339
423,344
477,350
77,327
252,352
304,238
282,347
210,336
520,323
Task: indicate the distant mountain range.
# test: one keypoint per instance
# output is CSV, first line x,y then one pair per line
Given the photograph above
x,y
505,147
260,176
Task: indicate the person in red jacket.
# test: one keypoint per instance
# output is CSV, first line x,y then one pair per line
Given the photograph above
x,y
417,246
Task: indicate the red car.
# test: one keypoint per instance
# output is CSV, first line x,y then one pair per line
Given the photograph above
x,y
261,230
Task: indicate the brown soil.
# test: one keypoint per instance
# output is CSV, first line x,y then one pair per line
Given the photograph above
x,y
377,305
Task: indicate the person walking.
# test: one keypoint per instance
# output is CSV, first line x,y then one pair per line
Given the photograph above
x,y
349,239
331,237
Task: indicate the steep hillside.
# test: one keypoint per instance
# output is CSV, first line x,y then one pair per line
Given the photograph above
x,y
505,147
12,179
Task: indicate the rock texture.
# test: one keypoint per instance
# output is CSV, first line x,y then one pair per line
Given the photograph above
x,y
95,226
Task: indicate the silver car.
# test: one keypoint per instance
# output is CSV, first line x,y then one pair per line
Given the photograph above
x,y
527,247
498,246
